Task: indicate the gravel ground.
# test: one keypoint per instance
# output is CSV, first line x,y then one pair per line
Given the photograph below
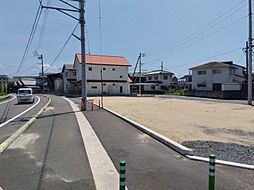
x,y
223,151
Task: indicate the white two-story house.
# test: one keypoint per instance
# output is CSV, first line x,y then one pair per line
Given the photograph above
x,y
217,76
160,81
105,74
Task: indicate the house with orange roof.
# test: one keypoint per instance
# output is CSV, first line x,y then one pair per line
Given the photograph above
x,y
105,74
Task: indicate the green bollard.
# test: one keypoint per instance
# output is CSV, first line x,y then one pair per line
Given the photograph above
x,y
122,175
211,172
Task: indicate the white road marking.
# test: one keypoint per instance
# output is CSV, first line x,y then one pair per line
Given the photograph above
x,y
8,101
15,117
104,172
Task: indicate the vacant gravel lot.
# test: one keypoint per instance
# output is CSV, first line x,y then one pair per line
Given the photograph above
x,y
188,120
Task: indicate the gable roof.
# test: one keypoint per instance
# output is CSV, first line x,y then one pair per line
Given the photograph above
x,y
104,60
68,67
159,72
226,64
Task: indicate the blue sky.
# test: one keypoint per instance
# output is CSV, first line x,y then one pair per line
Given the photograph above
x,y
220,27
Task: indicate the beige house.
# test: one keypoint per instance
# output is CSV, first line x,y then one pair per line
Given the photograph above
x,y
69,79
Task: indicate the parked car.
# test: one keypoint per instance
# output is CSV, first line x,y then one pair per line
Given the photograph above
x,y
25,95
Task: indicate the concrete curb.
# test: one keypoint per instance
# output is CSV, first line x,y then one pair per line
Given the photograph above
x,y
168,142
176,146
222,162
24,127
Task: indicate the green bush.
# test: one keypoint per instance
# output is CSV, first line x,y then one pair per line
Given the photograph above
x,y
179,92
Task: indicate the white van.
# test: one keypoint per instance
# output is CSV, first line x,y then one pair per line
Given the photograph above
x,y
25,95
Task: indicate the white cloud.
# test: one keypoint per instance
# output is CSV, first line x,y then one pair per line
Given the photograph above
x,y
1,65
46,66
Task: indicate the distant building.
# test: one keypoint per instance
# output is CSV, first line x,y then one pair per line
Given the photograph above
x,y
4,81
55,82
34,82
224,80
218,76
160,82
104,73
185,82
69,79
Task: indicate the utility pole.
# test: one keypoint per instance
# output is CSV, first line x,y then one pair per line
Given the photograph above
x,y
140,71
42,69
83,52
162,66
42,73
81,19
140,75
250,56
247,57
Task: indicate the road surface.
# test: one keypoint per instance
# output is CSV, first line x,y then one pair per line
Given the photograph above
x,y
51,155
10,109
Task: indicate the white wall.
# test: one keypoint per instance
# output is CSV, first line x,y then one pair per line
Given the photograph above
x,y
117,73
160,78
108,88
107,74
231,87
226,76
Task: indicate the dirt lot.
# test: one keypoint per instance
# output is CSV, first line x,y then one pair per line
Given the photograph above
x,y
186,120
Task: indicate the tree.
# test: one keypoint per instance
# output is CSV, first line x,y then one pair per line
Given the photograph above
x,y
10,85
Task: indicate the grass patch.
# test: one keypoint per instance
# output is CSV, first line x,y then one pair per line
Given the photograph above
x,y
179,92
6,98
2,93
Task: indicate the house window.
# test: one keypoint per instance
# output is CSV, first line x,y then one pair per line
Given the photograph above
x,y
162,87
94,87
155,77
104,84
113,69
217,71
113,84
153,87
149,78
104,69
203,72
90,68
165,77
121,76
74,74
66,74
121,89
203,84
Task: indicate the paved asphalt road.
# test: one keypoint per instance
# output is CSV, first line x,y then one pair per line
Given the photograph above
x,y
10,109
51,155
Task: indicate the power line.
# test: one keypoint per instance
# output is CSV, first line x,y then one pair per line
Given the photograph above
x,y
207,36
61,50
203,59
205,28
30,39
44,22
87,39
100,26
